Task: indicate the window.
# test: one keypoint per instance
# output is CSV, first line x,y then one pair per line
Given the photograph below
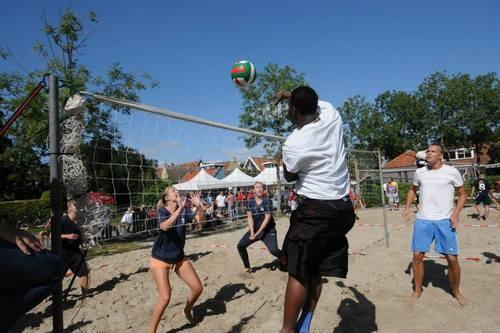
x,y
462,153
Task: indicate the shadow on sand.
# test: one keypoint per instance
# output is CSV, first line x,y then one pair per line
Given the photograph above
x,y
357,314
435,274
35,319
492,257
217,305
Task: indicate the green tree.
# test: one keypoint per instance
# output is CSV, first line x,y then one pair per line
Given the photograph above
x,y
443,97
455,110
482,118
404,122
353,110
25,144
393,123
465,110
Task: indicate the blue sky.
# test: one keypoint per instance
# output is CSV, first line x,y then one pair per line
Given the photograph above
x,y
343,47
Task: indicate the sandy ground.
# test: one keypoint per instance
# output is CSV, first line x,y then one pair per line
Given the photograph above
x,y
374,297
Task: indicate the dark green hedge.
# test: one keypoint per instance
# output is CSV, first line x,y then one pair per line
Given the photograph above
x,y
25,212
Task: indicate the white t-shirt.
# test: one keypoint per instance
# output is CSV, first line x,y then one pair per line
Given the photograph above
x,y
127,218
316,152
437,191
221,200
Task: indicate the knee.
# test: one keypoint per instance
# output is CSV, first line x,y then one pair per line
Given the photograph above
x,y
418,258
164,299
197,290
452,260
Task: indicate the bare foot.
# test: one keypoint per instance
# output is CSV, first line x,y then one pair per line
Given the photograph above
x,y
415,295
188,314
460,298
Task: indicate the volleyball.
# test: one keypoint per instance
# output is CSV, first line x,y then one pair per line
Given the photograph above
x,y
243,73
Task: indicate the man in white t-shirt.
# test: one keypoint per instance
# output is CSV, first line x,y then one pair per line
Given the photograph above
x,y
220,200
127,219
437,217
315,244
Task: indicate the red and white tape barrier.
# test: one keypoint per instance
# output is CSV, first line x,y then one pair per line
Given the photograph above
x,y
409,225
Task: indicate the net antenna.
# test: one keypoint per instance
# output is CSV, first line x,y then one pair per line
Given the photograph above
x,y
92,216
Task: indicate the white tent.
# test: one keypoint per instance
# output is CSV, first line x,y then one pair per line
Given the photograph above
x,y
268,177
238,178
202,181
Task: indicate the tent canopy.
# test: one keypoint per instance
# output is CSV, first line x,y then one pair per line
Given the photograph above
x,y
202,181
238,178
268,176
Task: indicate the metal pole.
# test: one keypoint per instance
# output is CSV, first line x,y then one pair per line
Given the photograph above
x,y
56,196
386,229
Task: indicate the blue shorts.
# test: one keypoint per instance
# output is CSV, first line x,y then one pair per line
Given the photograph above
x,y
425,231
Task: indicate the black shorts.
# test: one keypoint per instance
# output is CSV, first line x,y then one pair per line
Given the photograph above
x,y
316,242
484,199
76,262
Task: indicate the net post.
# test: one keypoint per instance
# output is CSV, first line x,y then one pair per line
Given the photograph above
x,y
56,196
386,230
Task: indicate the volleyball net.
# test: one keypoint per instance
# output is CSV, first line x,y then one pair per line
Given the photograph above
x,y
145,149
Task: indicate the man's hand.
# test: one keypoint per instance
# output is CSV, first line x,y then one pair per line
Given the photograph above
x,y
454,220
27,242
406,214
282,95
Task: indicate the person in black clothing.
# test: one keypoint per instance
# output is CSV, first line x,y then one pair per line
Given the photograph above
x,y
261,226
72,255
28,273
482,190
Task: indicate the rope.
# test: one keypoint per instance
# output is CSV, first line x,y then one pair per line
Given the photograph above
x,y
42,84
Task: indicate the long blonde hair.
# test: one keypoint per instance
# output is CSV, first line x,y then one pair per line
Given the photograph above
x,y
163,199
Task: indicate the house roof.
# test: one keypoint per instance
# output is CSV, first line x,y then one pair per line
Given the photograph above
x,y
259,161
231,166
189,165
405,160
191,174
176,171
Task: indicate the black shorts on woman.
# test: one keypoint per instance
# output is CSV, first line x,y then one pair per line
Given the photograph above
x,y
316,242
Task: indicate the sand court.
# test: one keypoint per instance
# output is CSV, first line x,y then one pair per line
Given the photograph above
x,y
374,297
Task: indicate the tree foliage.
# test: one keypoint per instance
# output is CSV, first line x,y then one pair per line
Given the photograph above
x,y
23,150
455,110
